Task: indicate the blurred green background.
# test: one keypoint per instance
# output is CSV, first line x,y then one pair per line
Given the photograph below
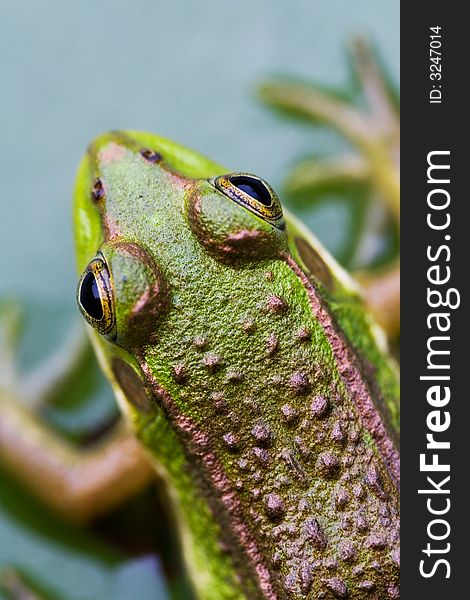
x,y
186,70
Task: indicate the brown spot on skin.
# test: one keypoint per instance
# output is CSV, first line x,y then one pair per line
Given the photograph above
x,y
272,344
289,414
234,418
304,335
377,542
277,305
274,380
220,404
306,577
337,433
306,425
200,342
276,559
374,482
347,552
212,362
234,377
252,405
274,507
303,448
261,455
290,581
231,441
180,373
249,327
269,276
282,481
299,383
337,587
361,523
359,491
319,407
328,464
292,529
384,512
366,585
262,434
341,497
330,563
243,464
314,533
354,435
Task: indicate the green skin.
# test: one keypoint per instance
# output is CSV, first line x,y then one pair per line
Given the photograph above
x,y
251,373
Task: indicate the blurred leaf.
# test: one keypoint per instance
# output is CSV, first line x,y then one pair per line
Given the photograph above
x,y
350,201
69,560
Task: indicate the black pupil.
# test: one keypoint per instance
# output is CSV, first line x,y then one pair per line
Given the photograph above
x,y
90,297
254,187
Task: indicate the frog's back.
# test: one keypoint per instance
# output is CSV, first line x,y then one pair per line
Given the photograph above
x,y
287,429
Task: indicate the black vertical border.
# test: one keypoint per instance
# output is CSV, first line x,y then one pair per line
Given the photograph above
x,y
427,127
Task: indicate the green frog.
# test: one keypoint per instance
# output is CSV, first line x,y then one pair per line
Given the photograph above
x,y
252,377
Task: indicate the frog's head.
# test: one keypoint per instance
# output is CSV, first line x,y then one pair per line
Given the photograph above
x,y
147,213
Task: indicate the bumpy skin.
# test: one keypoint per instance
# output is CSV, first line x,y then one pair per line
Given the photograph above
x,y
243,357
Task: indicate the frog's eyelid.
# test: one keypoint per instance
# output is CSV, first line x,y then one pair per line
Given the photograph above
x,y
235,185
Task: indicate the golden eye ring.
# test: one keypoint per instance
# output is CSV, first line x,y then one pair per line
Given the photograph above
x,y
95,297
254,194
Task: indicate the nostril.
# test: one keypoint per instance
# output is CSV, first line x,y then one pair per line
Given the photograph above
x,y
97,190
150,155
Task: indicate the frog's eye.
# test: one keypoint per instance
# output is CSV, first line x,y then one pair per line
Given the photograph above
x,y
236,218
123,294
95,297
254,194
